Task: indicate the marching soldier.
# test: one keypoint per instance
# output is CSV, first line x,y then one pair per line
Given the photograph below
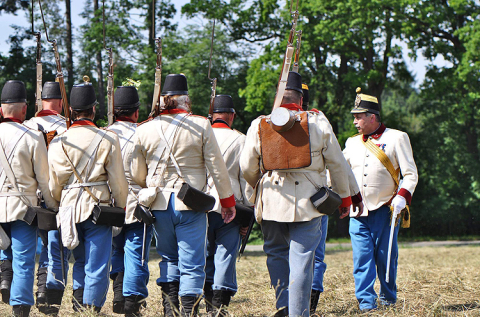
x,y
129,274
377,155
50,288
23,170
86,174
223,240
174,151
283,183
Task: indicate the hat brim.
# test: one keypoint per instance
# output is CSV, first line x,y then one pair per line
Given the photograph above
x,y
130,106
174,93
221,110
14,100
363,110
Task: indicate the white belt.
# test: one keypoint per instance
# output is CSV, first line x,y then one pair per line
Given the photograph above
x,y
78,185
17,194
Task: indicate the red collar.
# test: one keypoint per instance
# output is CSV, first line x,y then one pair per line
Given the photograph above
x,y
376,134
124,118
12,120
173,111
292,106
82,122
219,123
45,113
315,110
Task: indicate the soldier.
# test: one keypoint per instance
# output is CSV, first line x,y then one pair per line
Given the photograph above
x,y
86,171
284,182
377,154
223,240
172,151
129,274
23,170
50,287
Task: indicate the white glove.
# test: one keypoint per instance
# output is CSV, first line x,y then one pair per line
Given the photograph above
x,y
146,196
398,204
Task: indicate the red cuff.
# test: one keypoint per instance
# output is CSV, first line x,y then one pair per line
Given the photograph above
x,y
357,198
228,202
346,202
405,194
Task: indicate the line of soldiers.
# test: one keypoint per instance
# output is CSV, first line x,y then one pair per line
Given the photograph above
x,y
148,169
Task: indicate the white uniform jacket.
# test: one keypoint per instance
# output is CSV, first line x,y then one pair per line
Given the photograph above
x,y
231,145
284,196
194,148
47,123
106,165
125,131
28,160
376,184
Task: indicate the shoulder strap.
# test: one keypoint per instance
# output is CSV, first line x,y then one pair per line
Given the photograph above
x,y
87,155
372,147
9,149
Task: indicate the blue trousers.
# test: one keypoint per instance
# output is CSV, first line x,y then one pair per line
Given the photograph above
x,y
43,259
370,237
127,258
22,254
54,277
92,262
223,242
290,249
320,266
181,244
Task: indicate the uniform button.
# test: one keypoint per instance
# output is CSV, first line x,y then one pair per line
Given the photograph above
x,y
368,155
364,185
366,165
364,174
276,182
296,183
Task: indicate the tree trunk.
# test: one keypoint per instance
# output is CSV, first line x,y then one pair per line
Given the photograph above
x,y
98,59
70,80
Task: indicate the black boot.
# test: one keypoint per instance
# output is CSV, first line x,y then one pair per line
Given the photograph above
x,y
221,300
190,306
282,312
20,310
41,294
208,293
77,300
118,299
133,305
171,304
7,277
54,300
314,301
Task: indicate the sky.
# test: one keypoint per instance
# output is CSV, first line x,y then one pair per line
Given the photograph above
x,y
418,67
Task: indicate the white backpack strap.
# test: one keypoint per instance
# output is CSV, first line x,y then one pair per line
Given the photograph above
x,y
160,150
9,149
87,155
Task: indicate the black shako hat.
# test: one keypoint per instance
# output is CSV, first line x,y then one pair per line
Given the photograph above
x,y
306,98
365,103
223,103
294,82
126,97
175,84
82,96
51,90
14,91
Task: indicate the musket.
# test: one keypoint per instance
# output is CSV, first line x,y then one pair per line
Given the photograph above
x,y
158,81
297,51
212,80
245,239
38,90
110,107
59,76
287,60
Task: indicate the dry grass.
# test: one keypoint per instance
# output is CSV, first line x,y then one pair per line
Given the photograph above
x,y
443,281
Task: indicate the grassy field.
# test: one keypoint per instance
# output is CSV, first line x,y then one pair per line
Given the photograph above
x,y
442,281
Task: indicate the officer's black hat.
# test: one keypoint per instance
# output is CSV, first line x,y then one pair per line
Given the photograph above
x,y
126,97
51,90
294,82
82,96
175,84
306,98
365,103
14,91
223,103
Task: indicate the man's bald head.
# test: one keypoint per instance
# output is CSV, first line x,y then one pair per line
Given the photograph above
x,y
17,110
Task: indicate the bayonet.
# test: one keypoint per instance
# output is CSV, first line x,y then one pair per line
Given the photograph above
x,y
110,95
212,80
156,107
38,90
